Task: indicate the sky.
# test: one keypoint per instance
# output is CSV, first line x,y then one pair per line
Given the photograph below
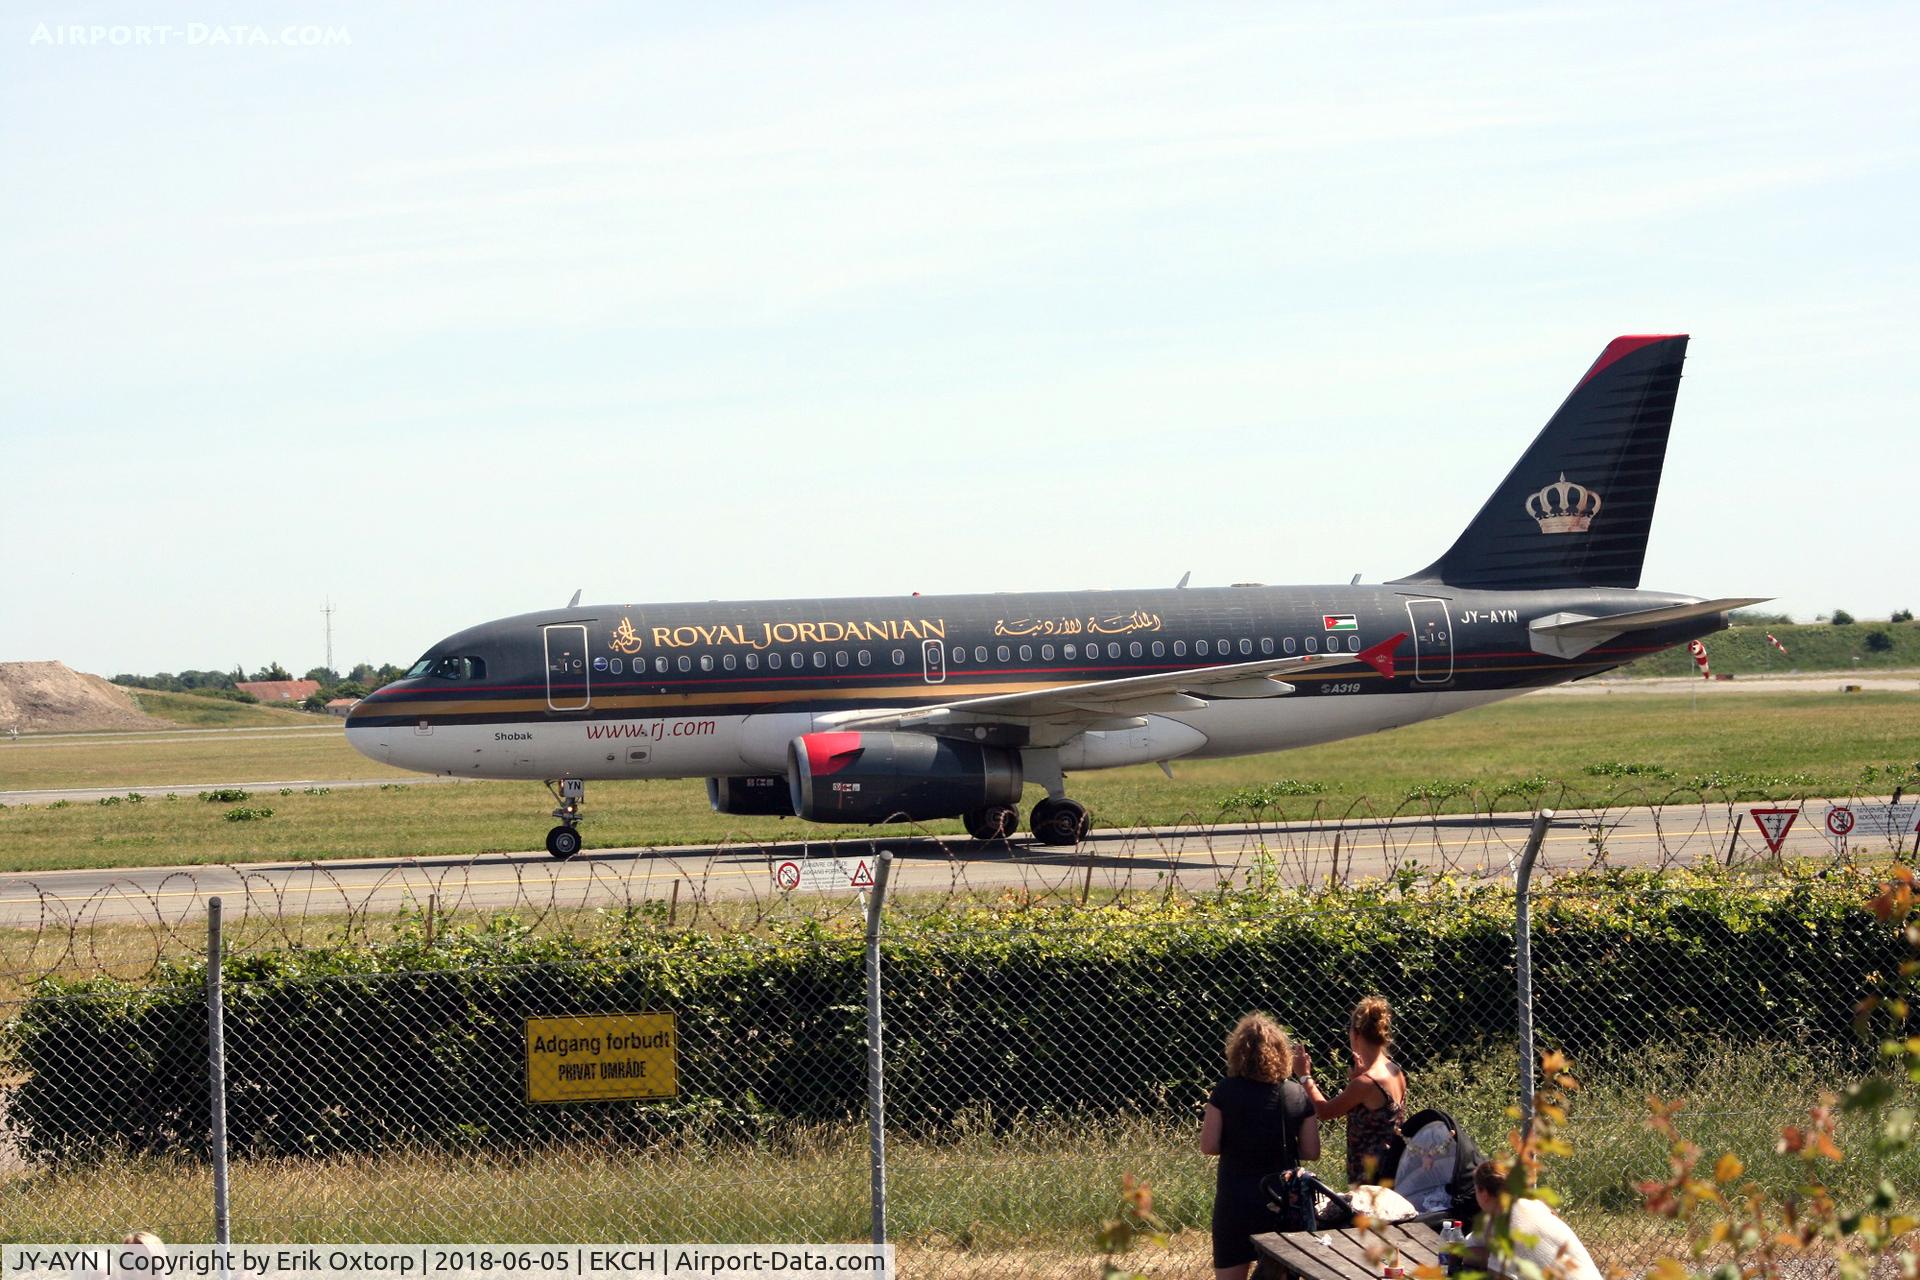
x,y
441,313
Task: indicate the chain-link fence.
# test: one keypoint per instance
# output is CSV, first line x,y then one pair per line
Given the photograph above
x,y
1043,1040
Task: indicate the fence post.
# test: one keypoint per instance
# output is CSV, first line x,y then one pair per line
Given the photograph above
x,y
876,1059
217,1074
1523,962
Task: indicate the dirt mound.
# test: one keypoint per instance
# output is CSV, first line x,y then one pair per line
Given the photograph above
x,y
50,697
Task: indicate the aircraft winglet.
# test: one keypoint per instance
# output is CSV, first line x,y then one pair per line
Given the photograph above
x,y
1380,656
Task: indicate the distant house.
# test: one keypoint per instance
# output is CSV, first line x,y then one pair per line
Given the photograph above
x,y
279,690
340,706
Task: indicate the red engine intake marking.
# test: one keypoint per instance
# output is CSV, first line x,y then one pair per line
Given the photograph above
x,y
830,752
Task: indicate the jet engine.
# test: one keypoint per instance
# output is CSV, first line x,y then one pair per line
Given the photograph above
x,y
763,796
881,777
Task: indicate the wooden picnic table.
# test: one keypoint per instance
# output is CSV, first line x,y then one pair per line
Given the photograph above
x,y
1342,1255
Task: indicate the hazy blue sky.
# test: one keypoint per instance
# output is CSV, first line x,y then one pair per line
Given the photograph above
x,y
485,304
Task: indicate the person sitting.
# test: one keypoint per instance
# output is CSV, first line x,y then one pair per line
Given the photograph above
x,y
1259,1123
1375,1099
1539,1234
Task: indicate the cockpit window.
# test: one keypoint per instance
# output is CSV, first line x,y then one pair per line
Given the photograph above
x,y
451,668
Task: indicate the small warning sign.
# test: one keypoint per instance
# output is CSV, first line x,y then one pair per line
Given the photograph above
x,y
1774,825
821,875
1839,820
596,1058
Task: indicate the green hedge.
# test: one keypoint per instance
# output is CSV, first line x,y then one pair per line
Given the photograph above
x,y
992,1016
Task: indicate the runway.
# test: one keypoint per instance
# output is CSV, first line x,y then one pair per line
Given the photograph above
x,y
1196,859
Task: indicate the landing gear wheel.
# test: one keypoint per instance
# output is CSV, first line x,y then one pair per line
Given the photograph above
x,y
563,842
1063,821
994,822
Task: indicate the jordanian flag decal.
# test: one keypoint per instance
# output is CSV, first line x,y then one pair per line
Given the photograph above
x,y
1339,622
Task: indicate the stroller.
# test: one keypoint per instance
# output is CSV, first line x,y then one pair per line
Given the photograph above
x,y
1430,1163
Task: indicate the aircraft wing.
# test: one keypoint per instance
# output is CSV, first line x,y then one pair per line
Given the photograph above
x,y
1568,635
1063,711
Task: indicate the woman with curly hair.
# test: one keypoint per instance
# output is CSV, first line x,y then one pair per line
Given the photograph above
x,y
1375,1099
1259,1123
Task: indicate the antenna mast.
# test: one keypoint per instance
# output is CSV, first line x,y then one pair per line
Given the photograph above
x,y
326,611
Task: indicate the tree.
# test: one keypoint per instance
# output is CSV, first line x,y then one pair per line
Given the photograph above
x,y
274,671
325,677
1901,615
363,672
1878,641
1841,618
348,689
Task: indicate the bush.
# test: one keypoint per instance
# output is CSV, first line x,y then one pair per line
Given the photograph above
x,y
1901,615
224,795
1841,618
996,1016
1878,641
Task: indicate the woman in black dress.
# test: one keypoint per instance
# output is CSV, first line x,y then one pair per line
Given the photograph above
x,y
1258,1122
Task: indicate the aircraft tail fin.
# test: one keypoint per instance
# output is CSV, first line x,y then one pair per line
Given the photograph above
x,y
1576,509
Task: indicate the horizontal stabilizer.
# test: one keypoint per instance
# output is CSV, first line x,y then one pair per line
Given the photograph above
x,y
1568,635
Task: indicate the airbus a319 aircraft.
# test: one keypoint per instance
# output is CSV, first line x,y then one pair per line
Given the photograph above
x,y
891,709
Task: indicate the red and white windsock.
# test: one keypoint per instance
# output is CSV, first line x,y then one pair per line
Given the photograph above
x,y
1699,652
1775,643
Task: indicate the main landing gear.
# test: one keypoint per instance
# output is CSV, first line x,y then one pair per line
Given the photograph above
x,y
564,840
994,822
1061,821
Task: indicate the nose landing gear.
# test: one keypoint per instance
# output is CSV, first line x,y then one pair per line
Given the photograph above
x,y
564,840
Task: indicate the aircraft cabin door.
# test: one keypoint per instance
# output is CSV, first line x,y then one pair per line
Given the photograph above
x,y
568,677
1432,641
933,661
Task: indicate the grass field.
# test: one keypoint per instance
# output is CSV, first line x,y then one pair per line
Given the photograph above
x,y
199,711
1818,646
1023,1194
1816,744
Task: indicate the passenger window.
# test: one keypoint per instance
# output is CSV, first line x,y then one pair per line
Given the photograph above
x,y
1134,650
1287,644
840,658
979,653
1026,653
726,661
1046,653
1179,648
1313,644
660,664
1266,644
685,663
773,662
866,659
753,662
1068,650
899,657
819,660
1003,653
1353,644
1159,649
798,660
1113,648
1246,646
615,666
1200,647
706,662
959,655
1226,647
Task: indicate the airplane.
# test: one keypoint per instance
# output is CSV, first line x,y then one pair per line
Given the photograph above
x,y
912,709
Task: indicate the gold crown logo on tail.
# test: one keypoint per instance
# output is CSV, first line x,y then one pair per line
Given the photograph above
x,y
1563,507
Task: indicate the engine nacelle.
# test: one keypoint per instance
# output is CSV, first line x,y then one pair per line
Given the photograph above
x,y
762,796
911,777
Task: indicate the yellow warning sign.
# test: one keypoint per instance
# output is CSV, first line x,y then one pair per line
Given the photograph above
x,y
596,1057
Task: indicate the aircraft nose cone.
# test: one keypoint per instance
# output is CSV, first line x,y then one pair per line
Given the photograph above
x,y
369,740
